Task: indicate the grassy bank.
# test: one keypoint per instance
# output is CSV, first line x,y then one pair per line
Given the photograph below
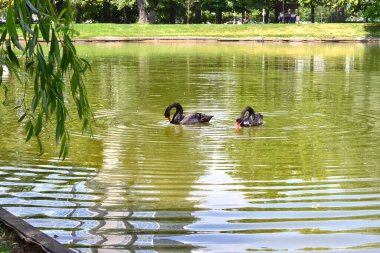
x,y
341,30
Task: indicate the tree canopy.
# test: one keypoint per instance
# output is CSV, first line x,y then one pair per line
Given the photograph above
x,y
218,11
212,11
372,10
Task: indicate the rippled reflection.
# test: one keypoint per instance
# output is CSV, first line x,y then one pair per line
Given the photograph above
x,y
306,180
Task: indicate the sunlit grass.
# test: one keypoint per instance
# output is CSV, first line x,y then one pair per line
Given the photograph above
x,y
331,30
341,30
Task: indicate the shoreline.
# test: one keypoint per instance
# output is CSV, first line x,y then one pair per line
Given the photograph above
x,y
224,39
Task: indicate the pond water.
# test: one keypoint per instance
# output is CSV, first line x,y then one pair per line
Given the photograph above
x,y
306,180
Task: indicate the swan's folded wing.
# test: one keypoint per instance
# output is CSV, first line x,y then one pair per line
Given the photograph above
x,y
257,120
194,118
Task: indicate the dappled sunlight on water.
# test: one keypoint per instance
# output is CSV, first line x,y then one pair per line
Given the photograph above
x,y
305,180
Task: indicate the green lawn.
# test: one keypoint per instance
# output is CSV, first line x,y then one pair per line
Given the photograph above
x,y
330,30
333,30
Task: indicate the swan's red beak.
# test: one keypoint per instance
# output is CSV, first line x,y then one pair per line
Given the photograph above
x,y
168,117
237,125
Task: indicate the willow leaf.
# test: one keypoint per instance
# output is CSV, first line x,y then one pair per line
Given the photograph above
x,y
50,73
45,30
38,124
22,117
12,56
32,8
33,42
29,130
4,35
11,25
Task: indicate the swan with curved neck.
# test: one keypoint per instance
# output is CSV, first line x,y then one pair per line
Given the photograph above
x,y
180,119
252,119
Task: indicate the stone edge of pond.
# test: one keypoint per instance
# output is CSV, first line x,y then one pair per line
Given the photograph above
x,y
30,234
216,39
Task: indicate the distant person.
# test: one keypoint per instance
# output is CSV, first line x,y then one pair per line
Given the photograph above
x,y
297,19
292,17
281,17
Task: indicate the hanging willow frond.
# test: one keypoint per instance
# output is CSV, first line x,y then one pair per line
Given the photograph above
x,y
50,68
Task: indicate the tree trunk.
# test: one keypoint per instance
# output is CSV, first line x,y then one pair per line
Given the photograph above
x,y
219,17
152,16
106,11
143,16
312,12
125,15
188,3
276,15
78,14
172,14
59,5
266,17
340,14
197,13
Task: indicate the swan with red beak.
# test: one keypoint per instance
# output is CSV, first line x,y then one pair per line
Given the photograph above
x,y
252,119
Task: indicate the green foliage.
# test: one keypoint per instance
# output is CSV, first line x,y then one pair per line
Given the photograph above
x,y
178,11
322,14
5,246
120,4
117,11
372,12
4,4
218,5
89,10
169,11
49,63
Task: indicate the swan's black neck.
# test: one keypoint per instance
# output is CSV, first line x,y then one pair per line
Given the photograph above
x,y
179,110
247,109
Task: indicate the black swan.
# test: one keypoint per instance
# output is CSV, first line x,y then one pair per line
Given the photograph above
x,y
191,118
253,119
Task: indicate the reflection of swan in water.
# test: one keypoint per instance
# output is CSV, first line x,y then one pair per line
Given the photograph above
x,y
173,131
191,118
253,119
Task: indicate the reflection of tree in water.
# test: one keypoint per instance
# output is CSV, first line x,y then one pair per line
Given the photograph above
x,y
145,181
151,169
317,148
145,190
316,94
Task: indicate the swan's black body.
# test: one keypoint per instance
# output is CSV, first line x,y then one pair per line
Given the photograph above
x,y
253,119
180,119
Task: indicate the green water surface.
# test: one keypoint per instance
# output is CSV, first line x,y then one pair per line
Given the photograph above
x,y
306,180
